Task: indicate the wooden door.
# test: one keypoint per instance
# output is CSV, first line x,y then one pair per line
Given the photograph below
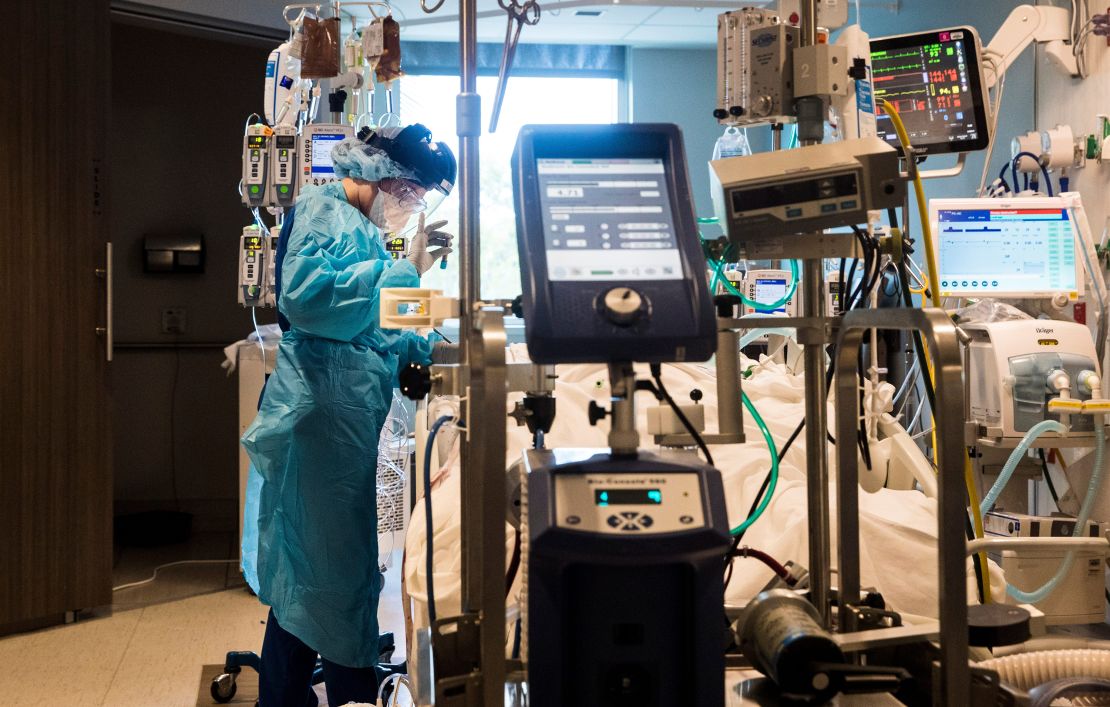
x,y
55,465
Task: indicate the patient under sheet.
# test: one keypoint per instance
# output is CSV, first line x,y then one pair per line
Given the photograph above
x,y
897,527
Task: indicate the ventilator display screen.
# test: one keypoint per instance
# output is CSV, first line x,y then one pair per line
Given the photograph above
x,y
322,145
985,252
933,80
628,497
607,220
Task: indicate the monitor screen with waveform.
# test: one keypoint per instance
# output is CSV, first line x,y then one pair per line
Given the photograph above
x,y
1010,250
933,80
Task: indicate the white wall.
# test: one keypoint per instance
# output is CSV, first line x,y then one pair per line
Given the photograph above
x,y
1077,102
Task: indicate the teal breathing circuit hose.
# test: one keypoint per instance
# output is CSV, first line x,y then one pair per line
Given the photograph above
x,y
774,467
1093,487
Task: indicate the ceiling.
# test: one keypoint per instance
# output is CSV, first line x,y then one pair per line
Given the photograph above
x,y
625,23
637,23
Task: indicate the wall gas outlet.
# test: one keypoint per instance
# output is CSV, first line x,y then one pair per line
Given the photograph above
x,y
173,320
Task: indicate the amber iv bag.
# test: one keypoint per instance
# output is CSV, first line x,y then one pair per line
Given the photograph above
x,y
321,48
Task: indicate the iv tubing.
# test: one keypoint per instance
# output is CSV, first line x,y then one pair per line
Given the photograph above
x,y
1015,458
1048,587
774,467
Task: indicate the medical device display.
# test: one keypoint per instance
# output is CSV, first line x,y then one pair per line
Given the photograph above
x,y
283,167
607,219
768,286
1017,248
605,225
935,81
317,141
762,198
605,631
255,155
252,248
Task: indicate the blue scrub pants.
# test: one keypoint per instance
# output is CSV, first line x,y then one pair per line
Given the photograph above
x,y
286,674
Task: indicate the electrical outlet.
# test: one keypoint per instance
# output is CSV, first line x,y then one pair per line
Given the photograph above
x,y
173,320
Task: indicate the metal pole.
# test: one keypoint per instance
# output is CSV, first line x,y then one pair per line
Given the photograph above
x,y
468,240
483,353
808,26
469,128
817,465
952,685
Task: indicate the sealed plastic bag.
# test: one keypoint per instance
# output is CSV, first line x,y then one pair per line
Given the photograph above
x,y
734,143
321,48
989,310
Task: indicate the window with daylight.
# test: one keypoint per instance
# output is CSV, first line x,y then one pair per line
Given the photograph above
x,y
430,99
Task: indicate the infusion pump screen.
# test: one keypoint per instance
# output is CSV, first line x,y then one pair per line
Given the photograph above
x,y
322,145
769,290
988,251
607,220
933,87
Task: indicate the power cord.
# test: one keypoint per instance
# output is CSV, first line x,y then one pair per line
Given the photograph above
x,y
657,373
428,515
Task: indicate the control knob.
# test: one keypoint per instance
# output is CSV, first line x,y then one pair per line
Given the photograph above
x,y
623,306
763,106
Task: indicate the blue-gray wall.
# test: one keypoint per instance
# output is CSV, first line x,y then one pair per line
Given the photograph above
x,y
679,86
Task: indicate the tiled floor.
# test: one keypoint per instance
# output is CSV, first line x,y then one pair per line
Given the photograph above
x,y
149,648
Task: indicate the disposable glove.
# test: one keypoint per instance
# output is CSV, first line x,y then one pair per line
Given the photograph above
x,y
427,235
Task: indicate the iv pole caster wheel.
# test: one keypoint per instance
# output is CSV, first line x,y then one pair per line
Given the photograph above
x,y
223,688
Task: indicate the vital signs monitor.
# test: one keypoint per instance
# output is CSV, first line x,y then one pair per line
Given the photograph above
x,y
934,79
1006,248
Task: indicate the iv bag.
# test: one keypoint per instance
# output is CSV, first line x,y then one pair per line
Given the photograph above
x,y
733,143
321,48
389,68
373,43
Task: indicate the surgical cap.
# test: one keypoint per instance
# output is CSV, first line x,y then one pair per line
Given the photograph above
x,y
354,158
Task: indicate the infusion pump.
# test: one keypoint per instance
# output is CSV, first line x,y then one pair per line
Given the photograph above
x,y
768,287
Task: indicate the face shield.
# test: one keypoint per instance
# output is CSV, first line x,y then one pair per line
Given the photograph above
x,y
399,203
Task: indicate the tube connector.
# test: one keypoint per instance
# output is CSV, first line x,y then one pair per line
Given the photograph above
x,y
1059,381
1090,382
1064,406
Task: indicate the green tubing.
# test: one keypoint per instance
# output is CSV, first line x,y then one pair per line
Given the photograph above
x,y
719,276
774,467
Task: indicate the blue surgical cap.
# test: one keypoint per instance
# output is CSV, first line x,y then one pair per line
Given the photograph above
x,y
354,158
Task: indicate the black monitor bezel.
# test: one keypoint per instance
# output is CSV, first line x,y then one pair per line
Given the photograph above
x,y
540,295
975,79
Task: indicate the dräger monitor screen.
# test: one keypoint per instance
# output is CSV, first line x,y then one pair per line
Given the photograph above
x,y
1006,251
933,80
607,220
321,152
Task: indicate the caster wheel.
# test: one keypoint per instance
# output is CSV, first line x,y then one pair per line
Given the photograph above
x,y
223,688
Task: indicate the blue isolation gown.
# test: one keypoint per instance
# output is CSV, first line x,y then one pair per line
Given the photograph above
x,y
314,444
